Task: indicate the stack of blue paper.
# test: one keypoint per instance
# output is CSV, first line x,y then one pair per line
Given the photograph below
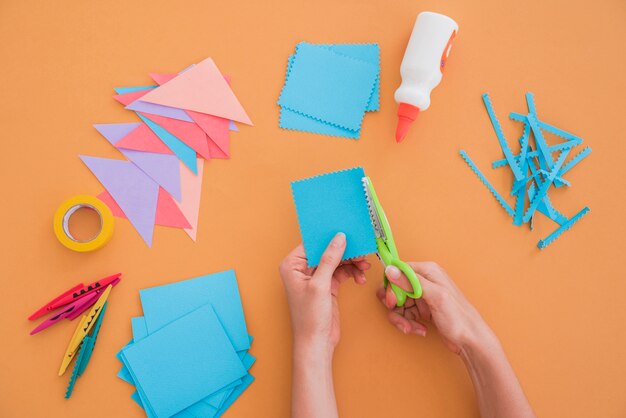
x,y
329,87
189,353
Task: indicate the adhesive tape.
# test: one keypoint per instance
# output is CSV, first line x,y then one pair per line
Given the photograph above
x,y
71,205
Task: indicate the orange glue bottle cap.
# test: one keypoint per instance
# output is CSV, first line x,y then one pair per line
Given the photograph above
x,y
406,115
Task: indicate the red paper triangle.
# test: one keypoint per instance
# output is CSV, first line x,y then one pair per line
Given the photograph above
x,y
128,98
215,127
188,132
167,213
217,152
143,139
161,78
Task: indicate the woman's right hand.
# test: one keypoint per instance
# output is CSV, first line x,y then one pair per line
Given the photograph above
x,y
442,304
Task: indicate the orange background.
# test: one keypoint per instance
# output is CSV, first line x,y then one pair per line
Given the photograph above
x,y
559,312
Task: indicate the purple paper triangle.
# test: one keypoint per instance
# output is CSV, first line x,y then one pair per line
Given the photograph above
x,y
132,189
113,132
162,168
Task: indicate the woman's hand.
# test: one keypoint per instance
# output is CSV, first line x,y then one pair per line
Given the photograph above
x,y
442,303
312,292
312,296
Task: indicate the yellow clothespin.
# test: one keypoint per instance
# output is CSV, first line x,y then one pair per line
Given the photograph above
x,y
84,326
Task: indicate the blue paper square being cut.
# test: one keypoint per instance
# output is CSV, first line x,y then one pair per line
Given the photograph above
x,y
333,203
329,86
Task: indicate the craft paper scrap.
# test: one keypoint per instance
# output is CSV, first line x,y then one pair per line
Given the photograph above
x,y
132,189
332,203
167,213
162,168
163,304
328,86
183,151
114,132
188,132
215,127
189,205
154,109
143,139
193,357
203,89
534,171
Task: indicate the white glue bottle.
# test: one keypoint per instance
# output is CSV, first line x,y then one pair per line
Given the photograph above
x,y
422,66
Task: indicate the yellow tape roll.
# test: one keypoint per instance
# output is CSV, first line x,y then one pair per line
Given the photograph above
x,y
71,205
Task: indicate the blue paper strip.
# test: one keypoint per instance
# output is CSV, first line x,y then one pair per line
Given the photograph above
x,y
183,151
482,178
566,226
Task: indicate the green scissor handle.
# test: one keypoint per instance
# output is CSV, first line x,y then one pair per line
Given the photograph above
x,y
400,293
390,260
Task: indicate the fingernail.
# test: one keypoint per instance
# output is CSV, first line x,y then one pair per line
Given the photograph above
x,y
401,328
420,332
392,272
340,238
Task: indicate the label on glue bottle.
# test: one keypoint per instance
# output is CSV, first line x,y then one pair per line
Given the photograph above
x,y
422,66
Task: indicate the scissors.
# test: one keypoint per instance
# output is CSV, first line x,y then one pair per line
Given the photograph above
x,y
387,251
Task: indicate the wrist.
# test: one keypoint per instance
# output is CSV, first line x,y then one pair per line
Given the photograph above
x,y
312,350
480,343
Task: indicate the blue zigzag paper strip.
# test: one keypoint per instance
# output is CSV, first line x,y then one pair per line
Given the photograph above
x,y
566,226
482,178
544,170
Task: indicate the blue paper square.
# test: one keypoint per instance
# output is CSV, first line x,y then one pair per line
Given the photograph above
x,y
164,304
333,203
183,362
329,86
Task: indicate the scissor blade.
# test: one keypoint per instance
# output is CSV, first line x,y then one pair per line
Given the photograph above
x,y
371,206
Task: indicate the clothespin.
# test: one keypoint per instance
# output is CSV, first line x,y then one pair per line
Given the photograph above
x,y
86,324
75,293
86,350
78,307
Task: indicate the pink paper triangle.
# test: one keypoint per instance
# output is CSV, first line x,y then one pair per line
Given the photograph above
x,y
215,127
191,186
217,152
143,139
203,89
128,98
135,192
161,78
188,132
167,214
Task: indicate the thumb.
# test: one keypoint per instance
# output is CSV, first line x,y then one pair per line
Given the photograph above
x,y
395,276
332,257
